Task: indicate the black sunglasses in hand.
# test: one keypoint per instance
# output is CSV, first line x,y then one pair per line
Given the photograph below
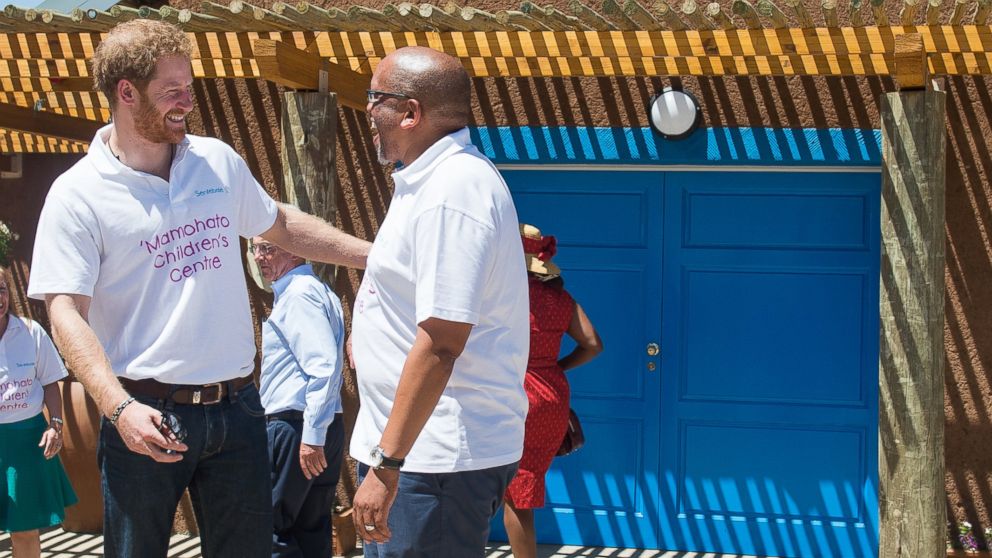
x,y
171,427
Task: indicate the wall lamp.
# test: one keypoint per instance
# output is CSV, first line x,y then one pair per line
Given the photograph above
x,y
674,113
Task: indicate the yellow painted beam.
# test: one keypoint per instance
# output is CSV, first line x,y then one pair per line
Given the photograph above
x,y
49,49
13,141
37,64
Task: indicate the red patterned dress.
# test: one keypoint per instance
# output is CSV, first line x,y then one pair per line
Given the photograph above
x,y
547,391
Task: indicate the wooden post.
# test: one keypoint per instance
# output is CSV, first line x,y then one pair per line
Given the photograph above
x,y
912,499
308,152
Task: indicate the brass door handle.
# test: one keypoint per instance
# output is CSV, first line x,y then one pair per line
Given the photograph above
x,y
653,349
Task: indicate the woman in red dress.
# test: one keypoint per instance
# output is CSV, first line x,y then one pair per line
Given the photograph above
x,y
553,313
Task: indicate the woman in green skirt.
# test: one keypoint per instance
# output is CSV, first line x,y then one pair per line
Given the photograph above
x,y
34,490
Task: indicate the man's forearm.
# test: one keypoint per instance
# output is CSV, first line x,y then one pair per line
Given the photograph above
x,y
84,354
314,239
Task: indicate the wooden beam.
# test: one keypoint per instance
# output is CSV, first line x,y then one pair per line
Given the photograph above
x,y
819,51
829,8
746,11
325,19
441,19
666,14
912,497
982,14
552,17
881,14
372,18
614,12
45,123
190,20
521,19
287,65
72,50
908,13
409,15
123,13
271,18
768,9
910,62
14,141
960,11
715,12
640,15
694,15
47,84
283,63
802,15
590,17
857,20
481,20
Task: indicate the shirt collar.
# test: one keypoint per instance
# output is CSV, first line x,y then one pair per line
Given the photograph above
x,y
108,164
280,284
13,324
441,149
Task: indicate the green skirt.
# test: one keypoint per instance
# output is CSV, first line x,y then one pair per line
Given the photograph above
x,y
34,491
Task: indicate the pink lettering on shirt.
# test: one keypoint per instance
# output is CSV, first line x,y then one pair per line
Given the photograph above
x,y
185,250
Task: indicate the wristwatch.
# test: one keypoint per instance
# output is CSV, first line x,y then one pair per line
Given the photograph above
x,y
379,460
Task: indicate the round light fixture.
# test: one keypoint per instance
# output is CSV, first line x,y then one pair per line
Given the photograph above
x,y
675,114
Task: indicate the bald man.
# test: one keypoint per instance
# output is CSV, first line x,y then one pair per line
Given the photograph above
x,y
441,324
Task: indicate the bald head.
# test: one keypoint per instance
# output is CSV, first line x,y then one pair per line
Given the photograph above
x,y
435,79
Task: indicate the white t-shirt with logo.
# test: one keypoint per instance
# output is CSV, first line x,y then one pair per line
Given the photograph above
x,y
161,260
448,248
28,363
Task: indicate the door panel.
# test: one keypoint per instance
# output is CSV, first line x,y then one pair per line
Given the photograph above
x,y
769,396
610,252
756,431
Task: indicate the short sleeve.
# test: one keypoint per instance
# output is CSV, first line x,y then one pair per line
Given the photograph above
x,y
48,364
256,208
453,258
66,256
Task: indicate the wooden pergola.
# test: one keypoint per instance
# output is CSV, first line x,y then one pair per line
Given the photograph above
x,y
43,54
47,105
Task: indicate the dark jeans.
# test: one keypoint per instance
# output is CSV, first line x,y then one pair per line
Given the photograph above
x,y
442,515
226,469
301,508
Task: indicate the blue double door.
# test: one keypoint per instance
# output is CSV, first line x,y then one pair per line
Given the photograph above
x,y
734,408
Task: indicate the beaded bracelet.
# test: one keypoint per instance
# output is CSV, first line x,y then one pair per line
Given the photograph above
x,y
120,409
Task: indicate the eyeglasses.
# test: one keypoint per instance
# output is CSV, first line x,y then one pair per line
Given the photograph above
x,y
375,95
263,249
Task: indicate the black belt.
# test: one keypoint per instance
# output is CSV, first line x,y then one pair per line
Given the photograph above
x,y
183,394
285,415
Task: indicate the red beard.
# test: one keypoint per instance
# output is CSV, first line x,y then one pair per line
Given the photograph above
x,y
150,123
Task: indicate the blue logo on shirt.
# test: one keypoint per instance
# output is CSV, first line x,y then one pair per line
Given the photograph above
x,y
24,364
208,191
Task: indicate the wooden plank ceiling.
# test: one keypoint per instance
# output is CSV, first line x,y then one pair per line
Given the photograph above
x,y
43,54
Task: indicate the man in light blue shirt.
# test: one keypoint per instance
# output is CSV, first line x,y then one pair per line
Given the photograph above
x,y
302,348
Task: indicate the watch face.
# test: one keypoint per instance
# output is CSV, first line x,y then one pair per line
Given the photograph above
x,y
375,457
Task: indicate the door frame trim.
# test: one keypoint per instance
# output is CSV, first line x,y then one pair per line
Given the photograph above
x,y
687,168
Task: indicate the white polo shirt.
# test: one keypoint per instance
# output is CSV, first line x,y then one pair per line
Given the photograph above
x,y
28,363
448,248
161,260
